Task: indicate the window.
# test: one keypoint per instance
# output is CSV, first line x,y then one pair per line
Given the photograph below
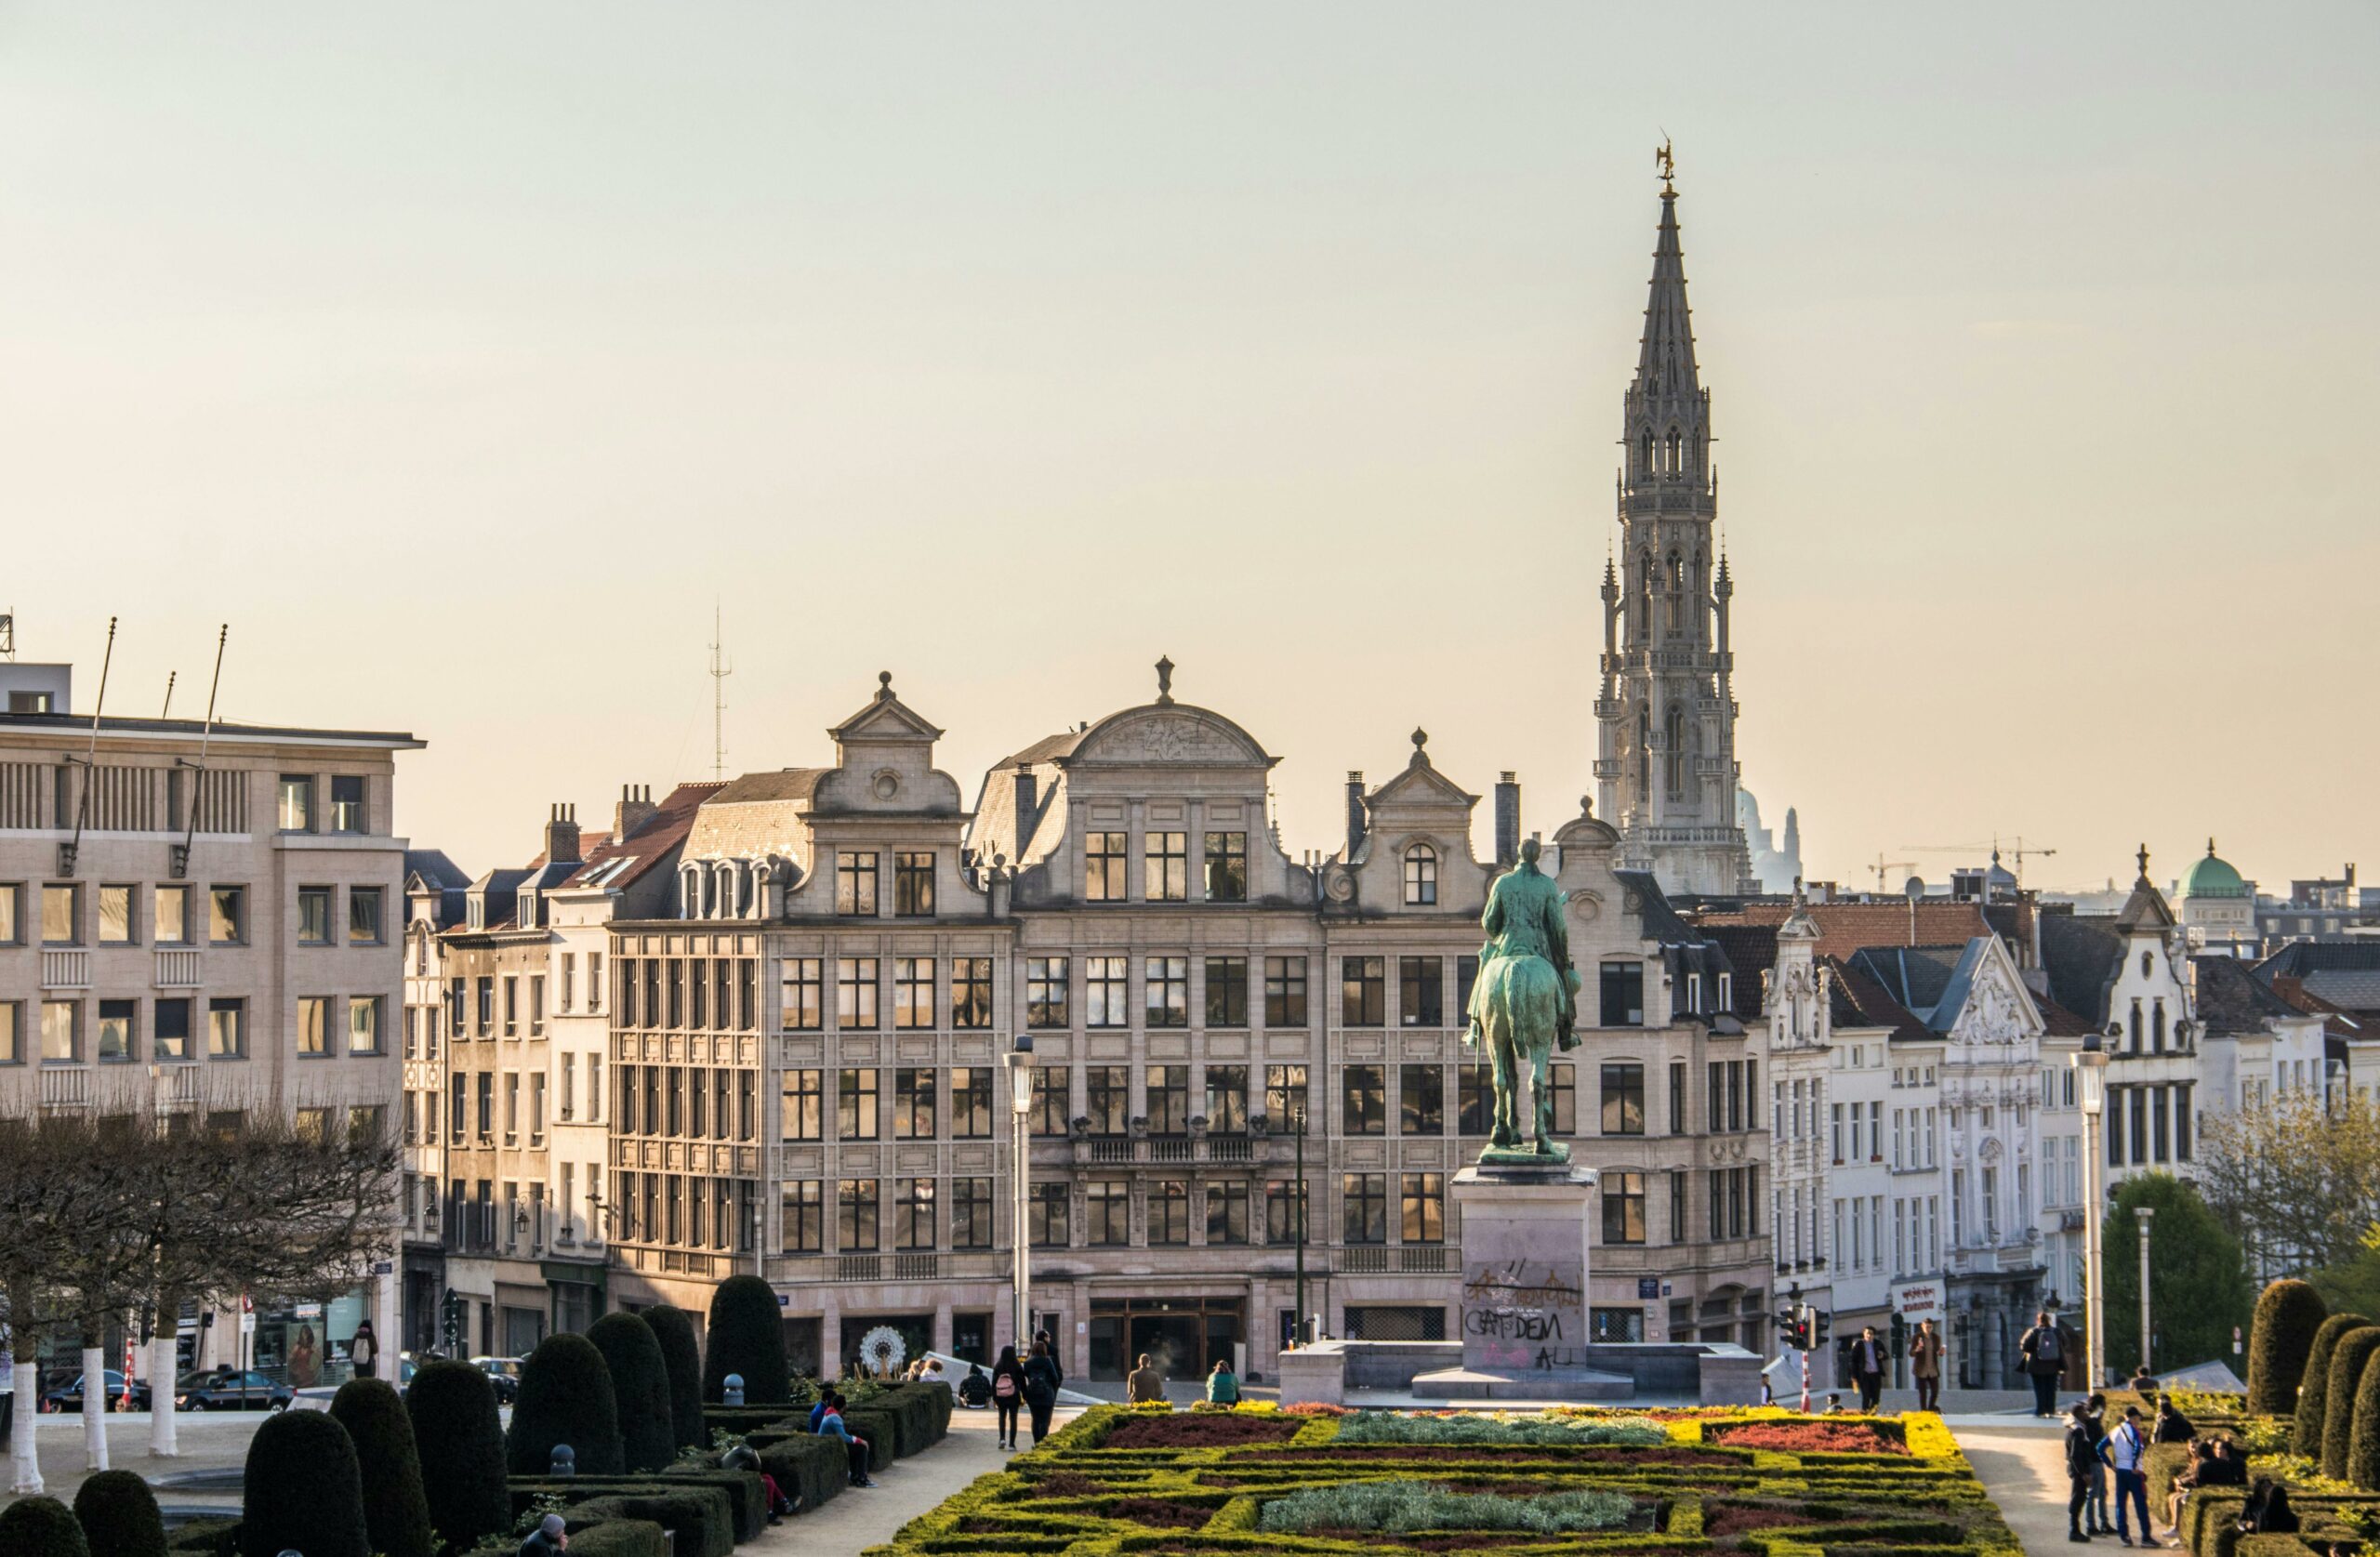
x,y
913,992
1227,1213
116,927
913,1218
1466,975
855,992
61,1041
363,1024
1107,992
313,916
172,915
1226,1100
119,1040
1421,988
594,981
347,803
228,916
512,1006
364,916
1624,1207
1169,1100
1165,867
226,1027
1048,1115
800,1008
1420,876
1475,1098
171,1038
913,884
801,1217
1678,1204
1364,1208
1420,1100
1108,1203
856,1112
1287,1205
314,1024
484,986
970,1102
1562,1083
856,884
1227,990
1166,982
297,815
1363,1108
12,932
1677,1097
971,991
971,1212
1285,1096
1285,992
1170,1211
1103,867
1363,995
857,1226
1046,1215
1226,868
61,916
1623,995
1107,1094
1623,1097
1045,991
1422,1208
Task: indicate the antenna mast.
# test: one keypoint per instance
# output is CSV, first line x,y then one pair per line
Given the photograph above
x,y
69,849
720,671
198,768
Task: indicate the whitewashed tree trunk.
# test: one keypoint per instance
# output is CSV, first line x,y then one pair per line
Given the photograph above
x,y
95,1408
25,1463
161,1359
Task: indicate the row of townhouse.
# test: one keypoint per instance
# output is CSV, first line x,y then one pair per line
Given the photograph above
x,y
779,1011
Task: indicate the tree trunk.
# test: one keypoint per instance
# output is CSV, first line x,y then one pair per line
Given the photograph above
x,y
164,1366
95,1404
25,1478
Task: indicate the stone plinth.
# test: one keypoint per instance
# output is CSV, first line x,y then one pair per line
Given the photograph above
x,y
1313,1375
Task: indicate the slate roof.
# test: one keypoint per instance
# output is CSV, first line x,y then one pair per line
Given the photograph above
x,y
2082,955
1846,928
783,783
1854,999
2230,999
1752,952
649,843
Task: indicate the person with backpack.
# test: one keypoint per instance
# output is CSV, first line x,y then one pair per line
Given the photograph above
x,y
2086,1453
2128,1454
1008,1395
975,1390
1041,1378
2044,1349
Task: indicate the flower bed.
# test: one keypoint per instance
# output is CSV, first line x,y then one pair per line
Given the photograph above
x,y
1119,1483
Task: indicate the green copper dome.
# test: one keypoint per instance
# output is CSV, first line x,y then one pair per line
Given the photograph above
x,y
2213,877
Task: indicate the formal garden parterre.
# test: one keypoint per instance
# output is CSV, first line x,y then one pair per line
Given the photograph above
x,y
1327,1482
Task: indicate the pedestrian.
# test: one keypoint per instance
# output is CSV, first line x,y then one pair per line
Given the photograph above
x,y
2044,1352
1057,1368
363,1351
2097,1523
975,1391
305,1363
856,1450
1925,1365
2143,1382
1833,1404
1009,1384
2085,1453
2128,1453
743,1456
1222,1384
2171,1426
549,1539
1868,1368
2190,1476
1145,1385
1041,1378
2268,1512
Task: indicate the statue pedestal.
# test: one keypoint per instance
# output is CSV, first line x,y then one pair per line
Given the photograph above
x,y
1525,1239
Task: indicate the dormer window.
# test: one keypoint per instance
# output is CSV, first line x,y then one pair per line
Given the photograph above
x,y
1693,993
1727,991
1420,876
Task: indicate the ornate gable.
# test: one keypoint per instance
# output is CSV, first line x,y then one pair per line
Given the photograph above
x,y
1420,784
1167,735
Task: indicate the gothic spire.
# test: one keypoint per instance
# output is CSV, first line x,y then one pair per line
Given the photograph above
x,y
1665,358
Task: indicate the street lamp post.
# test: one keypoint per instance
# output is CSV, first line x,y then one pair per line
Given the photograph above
x,y
2090,1067
2144,1213
1019,1060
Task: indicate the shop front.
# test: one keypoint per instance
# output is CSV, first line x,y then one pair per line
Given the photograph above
x,y
1183,1337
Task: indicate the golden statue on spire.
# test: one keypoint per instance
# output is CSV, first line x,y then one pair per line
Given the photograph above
x,y
1668,165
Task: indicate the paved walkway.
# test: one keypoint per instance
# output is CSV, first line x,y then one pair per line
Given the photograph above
x,y
208,1442
2022,1463
857,1519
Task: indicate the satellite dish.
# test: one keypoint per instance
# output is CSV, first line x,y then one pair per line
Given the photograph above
x,y
1913,889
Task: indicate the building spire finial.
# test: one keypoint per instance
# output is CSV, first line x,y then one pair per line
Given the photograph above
x,y
1165,680
1668,166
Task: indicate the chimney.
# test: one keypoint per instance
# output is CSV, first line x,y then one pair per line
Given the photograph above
x,y
1028,806
1354,812
561,834
1508,821
635,809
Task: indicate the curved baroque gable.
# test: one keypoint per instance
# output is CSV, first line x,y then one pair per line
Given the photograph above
x,y
1169,736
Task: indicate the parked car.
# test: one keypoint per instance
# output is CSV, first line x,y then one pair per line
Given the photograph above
x,y
226,1389
69,1396
504,1373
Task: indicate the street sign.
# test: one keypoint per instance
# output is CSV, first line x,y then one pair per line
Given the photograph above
x,y
1648,1287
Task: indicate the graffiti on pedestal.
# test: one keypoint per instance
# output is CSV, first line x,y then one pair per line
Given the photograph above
x,y
1524,1312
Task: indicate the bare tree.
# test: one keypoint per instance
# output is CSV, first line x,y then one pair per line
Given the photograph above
x,y
2298,1180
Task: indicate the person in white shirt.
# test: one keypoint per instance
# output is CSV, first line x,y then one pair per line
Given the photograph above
x,y
2128,1452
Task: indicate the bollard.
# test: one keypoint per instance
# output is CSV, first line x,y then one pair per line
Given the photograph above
x,y
732,1390
564,1462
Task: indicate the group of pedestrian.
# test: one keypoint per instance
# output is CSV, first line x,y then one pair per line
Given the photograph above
x,y
2094,1454
1029,1386
826,1421
1869,1357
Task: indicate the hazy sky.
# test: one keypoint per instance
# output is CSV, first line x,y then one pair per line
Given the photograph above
x,y
460,356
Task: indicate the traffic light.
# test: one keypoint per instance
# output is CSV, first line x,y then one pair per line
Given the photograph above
x,y
451,1312
1900,1335
1825,1325
1794,1322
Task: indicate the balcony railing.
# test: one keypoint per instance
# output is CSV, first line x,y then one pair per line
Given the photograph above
x,y
1387,1259
67,1087
65,969
178,967
1175,1149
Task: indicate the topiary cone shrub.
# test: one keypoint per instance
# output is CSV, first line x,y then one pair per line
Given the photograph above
x,y
119,1516
2287,1316
640,1390
304,1491
2362,1462
565,1398
396,1512
746,1337
684,1359
460,1443
2350,1358
2313,1395
41,1527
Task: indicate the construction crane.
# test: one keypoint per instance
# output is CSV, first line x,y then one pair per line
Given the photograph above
x,y
1883,867
2016,851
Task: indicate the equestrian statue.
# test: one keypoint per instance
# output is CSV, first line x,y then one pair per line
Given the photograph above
x,y
1524,1005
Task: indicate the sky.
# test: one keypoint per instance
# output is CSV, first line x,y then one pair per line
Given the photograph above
x,y
462,357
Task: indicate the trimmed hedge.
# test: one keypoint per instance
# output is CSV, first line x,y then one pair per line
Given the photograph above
x,y
459,1442
747,1338
119,1516
41,1527
747,1504
204,1538
2363,1464
684,1359
616,1537
396,1511
811,1468
699,1517
565,1398
2287,1315
2314,1394
640,1390
303,1490
2350,1357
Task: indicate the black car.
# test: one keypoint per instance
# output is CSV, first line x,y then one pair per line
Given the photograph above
x,y
69,1395
503,1376
227,1388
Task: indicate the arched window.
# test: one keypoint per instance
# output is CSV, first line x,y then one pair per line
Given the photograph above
x,y
2136,1026
2157,1027
1420,876
1677,446
1677,572
2147,964
1644,446
1676,753
1644,752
